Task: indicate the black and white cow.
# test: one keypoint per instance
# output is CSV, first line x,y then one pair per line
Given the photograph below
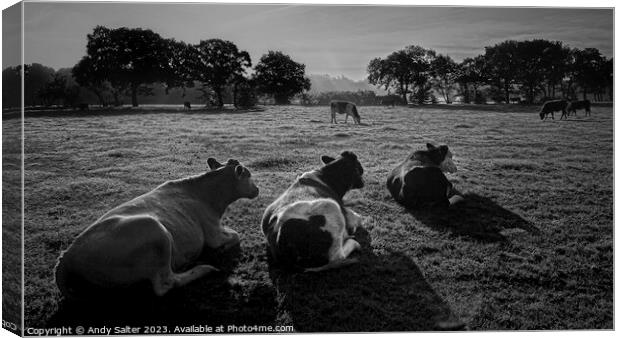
x,y
344,107
308,228
156,237
420,181
550,107
573,106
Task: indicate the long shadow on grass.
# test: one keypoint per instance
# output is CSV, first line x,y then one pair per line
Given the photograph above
x,y
212,301
477,217
384,292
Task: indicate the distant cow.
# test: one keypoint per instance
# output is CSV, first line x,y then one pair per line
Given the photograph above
x,y
344,107
187,105
550,107
573,106
308,228
419,180
157,237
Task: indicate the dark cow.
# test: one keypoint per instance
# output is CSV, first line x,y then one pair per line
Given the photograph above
x,y
344,107
419,180
573,106
187,105
157,237
550,107
308,227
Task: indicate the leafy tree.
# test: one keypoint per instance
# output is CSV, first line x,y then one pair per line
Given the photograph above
x,y
36,76
587,69
471,73
11,87
127,58
402,70
182,65
502,66
278,75
531,66
218,63
53,91
445,72
92,76
556,65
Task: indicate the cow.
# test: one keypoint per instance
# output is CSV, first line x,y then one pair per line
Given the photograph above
x,y
157,237
552,106
187,105
419,180
573,106
307,227
344,107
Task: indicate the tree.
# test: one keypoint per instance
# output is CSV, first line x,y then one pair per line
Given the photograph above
x,y
90,75
181,65
218,63
502,66
471,73
128,58
11,87
402,70
278,75
36,76
445,72
531,65
587,65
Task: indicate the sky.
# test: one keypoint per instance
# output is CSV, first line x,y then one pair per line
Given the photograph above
x,y
328,39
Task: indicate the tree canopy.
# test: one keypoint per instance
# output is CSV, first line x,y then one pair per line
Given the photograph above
x,y
278,75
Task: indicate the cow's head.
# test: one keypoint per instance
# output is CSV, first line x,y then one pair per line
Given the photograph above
x,y
346,169
442,157
242,183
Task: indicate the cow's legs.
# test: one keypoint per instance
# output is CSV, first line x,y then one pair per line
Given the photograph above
x,y
353,219
349,246
166,279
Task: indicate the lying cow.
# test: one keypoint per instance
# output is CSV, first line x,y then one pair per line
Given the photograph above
x,y
344,107
419,180
307,227
550,107
573,106
156,237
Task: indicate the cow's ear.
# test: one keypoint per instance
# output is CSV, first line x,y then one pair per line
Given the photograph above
x,y
443,150
327,159
239,171
430,146
213,163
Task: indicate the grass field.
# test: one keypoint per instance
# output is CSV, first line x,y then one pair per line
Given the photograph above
x,y
531,248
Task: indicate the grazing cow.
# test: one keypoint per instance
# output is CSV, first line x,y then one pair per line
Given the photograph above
x,y
419,180
157,237
573,106
308,227
187,105
344,107
552,106
83,106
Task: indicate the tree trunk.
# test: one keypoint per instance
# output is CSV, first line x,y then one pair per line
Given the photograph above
x,y
134,95
403,92
220,97
585,93
507,93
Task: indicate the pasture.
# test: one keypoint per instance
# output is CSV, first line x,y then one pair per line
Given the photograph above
x,y
531,248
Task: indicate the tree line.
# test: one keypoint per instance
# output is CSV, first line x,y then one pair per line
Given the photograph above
x,y
136,62
533,69
128,61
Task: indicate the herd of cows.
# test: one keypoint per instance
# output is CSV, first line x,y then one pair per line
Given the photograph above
x,y
159,237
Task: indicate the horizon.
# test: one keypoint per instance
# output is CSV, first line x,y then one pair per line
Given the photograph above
x,y
334,40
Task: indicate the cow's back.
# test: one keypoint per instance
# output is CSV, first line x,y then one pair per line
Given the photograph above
x,y
415,185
